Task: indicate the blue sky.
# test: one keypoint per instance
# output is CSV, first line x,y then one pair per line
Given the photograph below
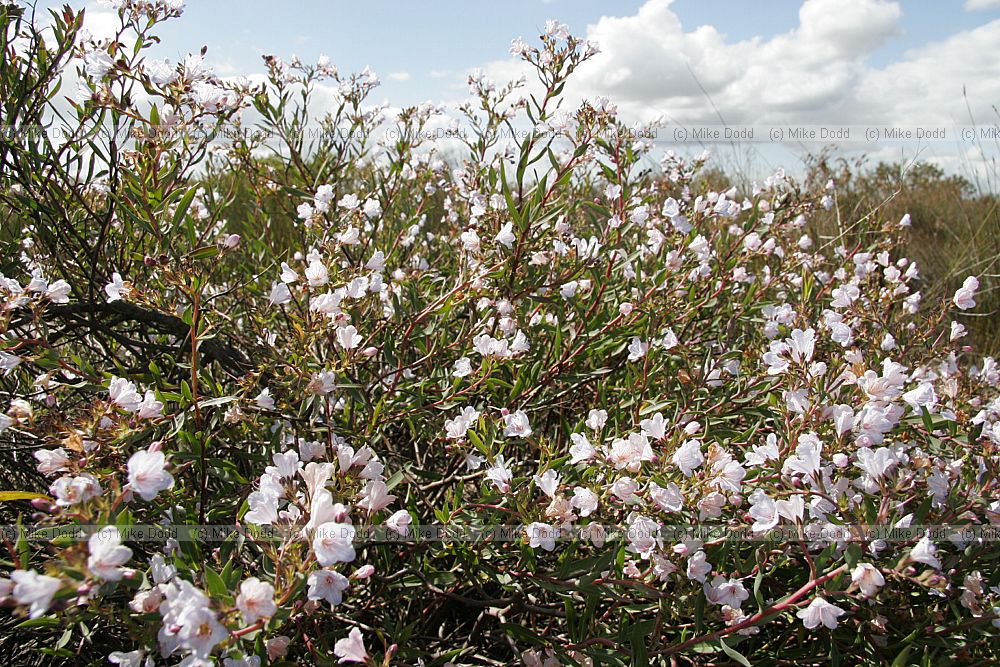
x,y
806,61
427,40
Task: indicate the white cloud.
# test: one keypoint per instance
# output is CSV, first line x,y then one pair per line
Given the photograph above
x,y
100,22
973,5
652,66
398,76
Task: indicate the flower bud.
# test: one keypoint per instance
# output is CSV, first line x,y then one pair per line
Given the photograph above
x,y
363,572
277,647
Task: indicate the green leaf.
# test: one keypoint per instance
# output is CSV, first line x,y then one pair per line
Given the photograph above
x,y
903,658
733,653
214,583
183,206
204,252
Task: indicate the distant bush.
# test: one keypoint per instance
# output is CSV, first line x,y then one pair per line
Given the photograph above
x,y
663,424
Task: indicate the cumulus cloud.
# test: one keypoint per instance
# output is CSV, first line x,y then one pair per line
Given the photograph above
x,y
819,72
398,76
652,65
973,5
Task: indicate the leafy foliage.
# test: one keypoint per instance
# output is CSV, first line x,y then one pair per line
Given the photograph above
x,y
219,310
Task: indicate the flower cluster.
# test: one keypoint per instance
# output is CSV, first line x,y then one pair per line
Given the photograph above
x,y
445,397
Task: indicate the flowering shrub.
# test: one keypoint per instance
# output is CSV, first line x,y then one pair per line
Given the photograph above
x,y
212,318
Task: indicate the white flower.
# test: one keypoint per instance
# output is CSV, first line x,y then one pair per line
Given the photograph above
x,y
280,294
264,399
375,497
820,612
807,456
96,63
698,566
150,407
844,296
876,463
516,425
841,333
548,482
457,428
923,396
350,236
263,509
372,208
147,474
400,523
630,452
596,419
868,578
568,290
643,536
463,367
506,235
541,535
348,337
323,382
637,349
965,295
925,552
352,648
116,289
288,274
58,292
801,345
122,659
470,240
286,464
334,543
581,449
107,554
688,457
584,500
763,511
317,273
70,491
377,261
668,498
123,393
8,362
655,427
327,585
51,461
256,600
724,591
500,474
36,590
161,572
245,661
160,72
199,630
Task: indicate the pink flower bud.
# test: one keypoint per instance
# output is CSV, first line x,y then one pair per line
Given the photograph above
x,y
363,572
43,505
370,351
277,647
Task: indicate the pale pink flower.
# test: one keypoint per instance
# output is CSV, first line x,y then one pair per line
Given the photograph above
x,y
820,612
352,648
